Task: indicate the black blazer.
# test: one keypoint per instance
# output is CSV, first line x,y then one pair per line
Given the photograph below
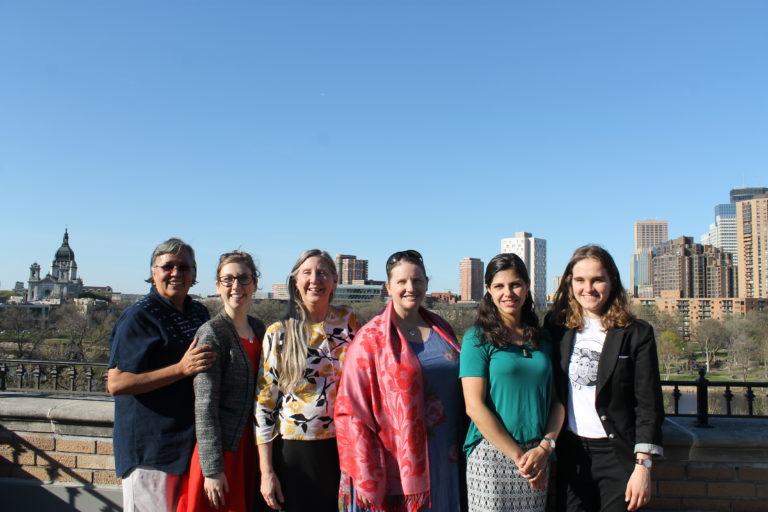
x,y
628,397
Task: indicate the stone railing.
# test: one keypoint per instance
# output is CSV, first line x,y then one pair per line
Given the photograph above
x,y
52,439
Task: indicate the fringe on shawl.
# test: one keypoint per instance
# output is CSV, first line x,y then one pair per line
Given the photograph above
x,y
409,503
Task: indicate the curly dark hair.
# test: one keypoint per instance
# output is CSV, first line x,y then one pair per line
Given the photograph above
x,y
488,319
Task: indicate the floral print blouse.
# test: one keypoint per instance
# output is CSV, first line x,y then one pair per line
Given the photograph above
x,y
306,413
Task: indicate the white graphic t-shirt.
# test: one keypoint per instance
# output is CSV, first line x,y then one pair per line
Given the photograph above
x,y
582,376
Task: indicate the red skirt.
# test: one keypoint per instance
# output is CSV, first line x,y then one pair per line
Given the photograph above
x,y
241,469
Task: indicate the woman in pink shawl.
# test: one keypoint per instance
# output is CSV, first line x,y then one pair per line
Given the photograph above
x,y
398,408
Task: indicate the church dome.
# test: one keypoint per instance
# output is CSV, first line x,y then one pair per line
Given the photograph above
x,y
65,252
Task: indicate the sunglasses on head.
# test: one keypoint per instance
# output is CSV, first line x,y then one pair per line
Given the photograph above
x,y
409,254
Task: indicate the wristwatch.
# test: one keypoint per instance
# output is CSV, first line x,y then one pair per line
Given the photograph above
x,y
648,463
550,442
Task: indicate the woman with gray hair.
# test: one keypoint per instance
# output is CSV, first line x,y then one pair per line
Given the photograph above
x,y
302,357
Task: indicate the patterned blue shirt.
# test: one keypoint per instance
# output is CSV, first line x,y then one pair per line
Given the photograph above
x,y
154,429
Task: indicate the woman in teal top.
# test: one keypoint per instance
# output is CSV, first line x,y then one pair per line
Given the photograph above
x,y
506,376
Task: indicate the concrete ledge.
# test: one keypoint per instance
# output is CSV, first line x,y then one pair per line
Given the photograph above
x,y
729,440
47,413
54,439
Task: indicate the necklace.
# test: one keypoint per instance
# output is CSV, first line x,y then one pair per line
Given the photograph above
x,y
412,332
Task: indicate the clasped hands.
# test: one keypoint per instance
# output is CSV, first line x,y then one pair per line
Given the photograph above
x,y
532,466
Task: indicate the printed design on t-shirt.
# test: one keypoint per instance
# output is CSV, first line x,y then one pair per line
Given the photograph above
x,y
583,368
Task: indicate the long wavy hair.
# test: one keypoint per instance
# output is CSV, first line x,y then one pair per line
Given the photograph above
x,y
488,318
292,357
567,311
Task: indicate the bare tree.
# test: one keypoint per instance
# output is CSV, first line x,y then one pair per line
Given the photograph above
x,y
268,311
670,348
741,347
712,337
70,323
758,326
461,318
367,310
20,327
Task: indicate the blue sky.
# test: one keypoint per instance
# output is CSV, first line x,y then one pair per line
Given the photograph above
x,y
367,127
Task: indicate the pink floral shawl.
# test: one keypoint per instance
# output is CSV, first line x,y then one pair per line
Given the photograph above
x,y
379,416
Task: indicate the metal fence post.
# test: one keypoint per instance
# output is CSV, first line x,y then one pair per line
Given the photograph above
x,y
702,400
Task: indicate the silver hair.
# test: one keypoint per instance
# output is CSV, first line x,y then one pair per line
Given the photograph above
x,y
173,246
292,359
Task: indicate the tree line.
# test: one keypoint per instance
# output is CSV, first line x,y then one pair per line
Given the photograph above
x,y
736,346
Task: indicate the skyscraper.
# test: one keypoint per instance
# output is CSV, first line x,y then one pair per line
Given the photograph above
x,y
692,270
471,279
647,235
650,233
752,246
742,194
350,268
533,252
722,232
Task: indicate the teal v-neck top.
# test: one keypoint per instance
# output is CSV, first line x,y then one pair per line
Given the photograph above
x,y
519,388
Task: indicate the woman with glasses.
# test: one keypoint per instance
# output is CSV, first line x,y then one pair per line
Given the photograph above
x,y
398,411
506,375
607,372
223,473
301,365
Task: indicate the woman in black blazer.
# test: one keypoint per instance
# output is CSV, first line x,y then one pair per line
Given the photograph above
x,y
607,372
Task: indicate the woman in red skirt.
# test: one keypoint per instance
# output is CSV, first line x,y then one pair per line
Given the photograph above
x,y
223,473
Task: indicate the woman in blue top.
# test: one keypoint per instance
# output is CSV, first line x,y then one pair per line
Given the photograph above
x,y
506,376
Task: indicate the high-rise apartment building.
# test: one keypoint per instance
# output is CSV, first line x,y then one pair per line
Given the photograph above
x,y
742,194
691,270
752,244
351,269
641,274
471,279
650,233
533,252
647,235
722,232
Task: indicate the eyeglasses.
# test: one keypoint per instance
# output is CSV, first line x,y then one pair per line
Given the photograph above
x,y
242,280
407,255
168,267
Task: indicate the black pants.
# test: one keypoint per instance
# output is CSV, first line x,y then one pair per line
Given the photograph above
x,y
309,474
590,478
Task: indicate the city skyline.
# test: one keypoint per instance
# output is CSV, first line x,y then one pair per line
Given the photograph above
x,y
366,129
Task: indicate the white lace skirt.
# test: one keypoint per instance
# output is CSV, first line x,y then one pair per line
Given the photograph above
x,y
495,485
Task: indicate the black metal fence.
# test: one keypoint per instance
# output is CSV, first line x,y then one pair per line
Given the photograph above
x,y
700,398
715,399
54,376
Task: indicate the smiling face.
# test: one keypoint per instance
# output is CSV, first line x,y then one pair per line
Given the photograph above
x,y
508,292
237,296
315,282
591,286
407,285
173,276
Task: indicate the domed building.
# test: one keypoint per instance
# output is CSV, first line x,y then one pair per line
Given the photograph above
x,y
62,282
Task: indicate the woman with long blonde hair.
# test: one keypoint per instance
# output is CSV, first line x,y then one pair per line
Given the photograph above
x,y
301,365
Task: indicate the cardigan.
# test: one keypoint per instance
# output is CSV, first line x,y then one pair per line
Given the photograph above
x,y
224,392
628,397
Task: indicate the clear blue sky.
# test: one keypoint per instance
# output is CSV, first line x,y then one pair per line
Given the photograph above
x,y
366,127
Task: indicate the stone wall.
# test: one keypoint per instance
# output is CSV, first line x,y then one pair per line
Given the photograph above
x,y
57,440
50,439
723,468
